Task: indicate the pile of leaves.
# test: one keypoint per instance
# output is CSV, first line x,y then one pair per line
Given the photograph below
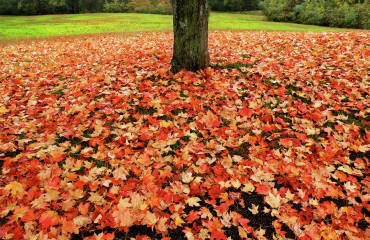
x,y
99,140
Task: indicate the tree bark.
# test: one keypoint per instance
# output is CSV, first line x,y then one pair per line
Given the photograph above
x,y
190,25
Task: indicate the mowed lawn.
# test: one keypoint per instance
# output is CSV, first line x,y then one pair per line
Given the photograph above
x,y
28,27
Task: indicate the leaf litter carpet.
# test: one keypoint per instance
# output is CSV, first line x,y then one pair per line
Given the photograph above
x,y
99,140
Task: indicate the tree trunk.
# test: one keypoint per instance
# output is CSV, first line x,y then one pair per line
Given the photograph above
x,y
190,25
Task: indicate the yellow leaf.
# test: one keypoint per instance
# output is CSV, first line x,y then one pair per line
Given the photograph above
x,y
51,195
236,184
124,203
193,201
16,189
364,148
120,173
254,209
187,177
20,211
193,136
273,200
242,233
166,123
248,187
9,236
289,195
179,221
3,110
96,198
138,202
150,219
80,221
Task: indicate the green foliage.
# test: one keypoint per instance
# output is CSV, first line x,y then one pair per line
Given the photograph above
x,y
57,6
32,7
35,7
344,14
150,6
115,6
233,5
162,7
9,7
313,12
279,10
91,6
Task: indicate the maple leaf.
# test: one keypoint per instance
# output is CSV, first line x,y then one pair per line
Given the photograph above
x,y
248,187
150,219
162,225
211,119
69,226
273,200
218,235
3,110
242,233
364,148
349,186
104,236
178,221
162,72
246,112
84,208
16,189
366,53
260,233
49,219
187,177
193,201
125,218
254,209
290,142
120,173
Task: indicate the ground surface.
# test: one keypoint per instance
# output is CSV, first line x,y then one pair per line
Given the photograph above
x,y
26,27
98,138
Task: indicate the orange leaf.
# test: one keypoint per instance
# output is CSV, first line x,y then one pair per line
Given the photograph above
x,y
262,189
218,235
49,219
246,112
366,53
84,208
290,142
162,72
211,119
29,216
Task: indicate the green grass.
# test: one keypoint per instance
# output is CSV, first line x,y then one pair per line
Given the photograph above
x,y
29,27
256,21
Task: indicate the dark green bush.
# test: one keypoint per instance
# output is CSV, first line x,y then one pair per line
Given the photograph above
x,y
233,5
312,12
345,14
115,6
279,10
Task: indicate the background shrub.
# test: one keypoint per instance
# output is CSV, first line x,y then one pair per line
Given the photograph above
x,y
334,13
116,6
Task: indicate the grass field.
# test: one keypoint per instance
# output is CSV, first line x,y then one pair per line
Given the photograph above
x,y
28,27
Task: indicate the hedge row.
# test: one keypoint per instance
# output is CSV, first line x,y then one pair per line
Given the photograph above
x,y
333,13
